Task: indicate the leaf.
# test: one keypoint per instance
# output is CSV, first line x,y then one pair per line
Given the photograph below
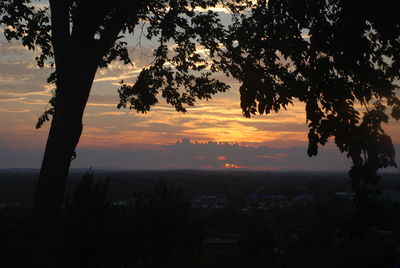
x,y
396,112
312,144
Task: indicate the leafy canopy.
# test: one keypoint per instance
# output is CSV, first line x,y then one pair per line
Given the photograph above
x,y
341,58
179,74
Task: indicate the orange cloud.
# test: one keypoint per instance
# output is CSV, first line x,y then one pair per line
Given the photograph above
x,y
24,95
274,156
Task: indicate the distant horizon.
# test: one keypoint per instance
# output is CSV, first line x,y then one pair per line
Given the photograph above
x,y
187,155
101,170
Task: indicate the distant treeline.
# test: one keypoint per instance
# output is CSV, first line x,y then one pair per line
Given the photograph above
x,y
19,186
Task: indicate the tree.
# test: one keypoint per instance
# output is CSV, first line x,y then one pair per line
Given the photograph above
x,y
86,221
81,37
340,58
350,57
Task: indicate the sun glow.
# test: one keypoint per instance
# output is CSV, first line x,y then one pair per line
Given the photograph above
x,y
229,165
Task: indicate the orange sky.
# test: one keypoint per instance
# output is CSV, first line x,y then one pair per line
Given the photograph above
x,y
24,94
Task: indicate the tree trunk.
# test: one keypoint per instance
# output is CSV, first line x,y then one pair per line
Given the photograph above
x,y
65,131
73,88
76,55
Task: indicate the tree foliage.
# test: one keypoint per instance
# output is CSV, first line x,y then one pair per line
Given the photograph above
x,y
29,24
179,76
340,58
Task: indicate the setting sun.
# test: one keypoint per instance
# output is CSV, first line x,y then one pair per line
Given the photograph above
x,y
228,165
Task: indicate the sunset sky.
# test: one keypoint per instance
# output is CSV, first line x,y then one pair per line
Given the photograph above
x,y
220,137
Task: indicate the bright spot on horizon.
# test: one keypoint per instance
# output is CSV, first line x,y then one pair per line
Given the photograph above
x,y
228,165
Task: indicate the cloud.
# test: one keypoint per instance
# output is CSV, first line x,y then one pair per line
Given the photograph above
x,y
14,110
188,155
116,71
19,78
7,98
24,94
218,8
220,119
13,50
185,154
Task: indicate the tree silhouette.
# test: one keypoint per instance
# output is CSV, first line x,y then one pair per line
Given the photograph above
x,y
78,38
86,219
341,58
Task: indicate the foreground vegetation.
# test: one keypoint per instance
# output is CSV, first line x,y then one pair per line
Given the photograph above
x,y
106,223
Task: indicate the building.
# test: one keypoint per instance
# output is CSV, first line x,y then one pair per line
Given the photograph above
x,y
209,202
390,195
302,200
266,201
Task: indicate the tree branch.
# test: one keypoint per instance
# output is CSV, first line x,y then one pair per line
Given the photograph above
x,y
116,24
84,26
60,32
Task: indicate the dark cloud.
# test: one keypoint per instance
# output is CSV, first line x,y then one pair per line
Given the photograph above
x,y
278,126
22,77
12,50
187,155
111,100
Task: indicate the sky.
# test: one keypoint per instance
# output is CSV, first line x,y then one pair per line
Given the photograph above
x,y
211,135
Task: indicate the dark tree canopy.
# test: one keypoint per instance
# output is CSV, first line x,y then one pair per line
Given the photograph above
x,y
24,22
180,76
77,37
341,58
